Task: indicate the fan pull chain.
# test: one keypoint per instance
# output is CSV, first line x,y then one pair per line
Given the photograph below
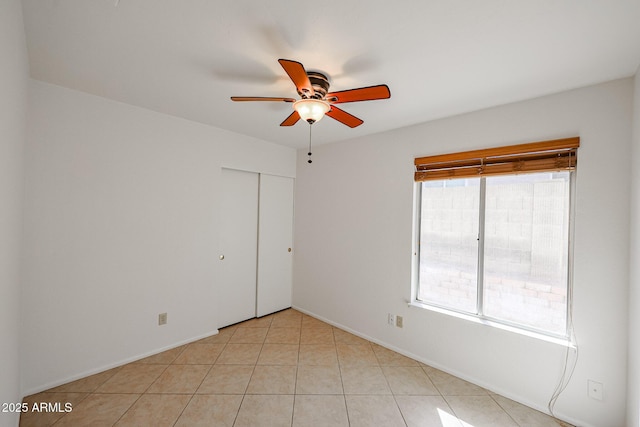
x,y
309,153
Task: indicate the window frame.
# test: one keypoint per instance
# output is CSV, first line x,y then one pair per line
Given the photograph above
x,y
479,316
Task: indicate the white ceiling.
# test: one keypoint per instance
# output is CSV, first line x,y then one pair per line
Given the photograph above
x,y
439,57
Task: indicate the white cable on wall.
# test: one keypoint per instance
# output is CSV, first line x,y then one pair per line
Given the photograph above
x,y
569,366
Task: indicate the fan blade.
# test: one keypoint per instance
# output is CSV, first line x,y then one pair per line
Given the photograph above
x,y
260,98
298,76
291,120
361,94
344,117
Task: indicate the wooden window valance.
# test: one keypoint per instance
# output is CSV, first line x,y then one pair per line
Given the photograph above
x,y
545,156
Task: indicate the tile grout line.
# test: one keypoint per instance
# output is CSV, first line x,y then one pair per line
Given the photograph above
x,y
442,395
390,389
253,370
295,380
149,386
344,395
505,410
199,385
295,383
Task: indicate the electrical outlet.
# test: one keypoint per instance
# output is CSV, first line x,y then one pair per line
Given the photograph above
x,y
594,389
391,319
162,319
399,321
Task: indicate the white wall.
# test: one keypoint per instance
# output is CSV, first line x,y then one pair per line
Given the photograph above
x,y
633,398
13,113
121,225
353,237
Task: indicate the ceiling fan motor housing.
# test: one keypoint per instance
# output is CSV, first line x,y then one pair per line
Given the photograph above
x,y
320,84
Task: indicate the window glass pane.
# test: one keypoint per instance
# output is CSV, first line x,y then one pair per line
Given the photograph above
x,y
526,249
448,243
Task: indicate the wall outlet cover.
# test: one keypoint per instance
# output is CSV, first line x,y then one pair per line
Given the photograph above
x,y
162,319
594,389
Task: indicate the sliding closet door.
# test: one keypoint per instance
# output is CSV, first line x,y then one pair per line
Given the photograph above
x,y
275,244
238,246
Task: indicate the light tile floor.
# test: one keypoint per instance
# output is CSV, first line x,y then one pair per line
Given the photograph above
x,y
287,369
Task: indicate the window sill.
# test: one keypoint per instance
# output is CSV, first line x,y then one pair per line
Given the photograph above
x,y
565,342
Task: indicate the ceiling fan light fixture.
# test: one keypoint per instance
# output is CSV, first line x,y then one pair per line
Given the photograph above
x,y
311,110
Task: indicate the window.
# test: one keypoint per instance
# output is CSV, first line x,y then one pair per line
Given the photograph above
x,y
493,240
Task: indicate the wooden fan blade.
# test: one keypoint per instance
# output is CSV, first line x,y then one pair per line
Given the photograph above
x,y
260,98
361,94
298,76
344,117
291,120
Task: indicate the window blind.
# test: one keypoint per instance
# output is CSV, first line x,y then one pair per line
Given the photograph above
x,y
555,155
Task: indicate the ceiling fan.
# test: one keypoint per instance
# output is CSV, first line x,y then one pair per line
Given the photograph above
x,y
316,100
